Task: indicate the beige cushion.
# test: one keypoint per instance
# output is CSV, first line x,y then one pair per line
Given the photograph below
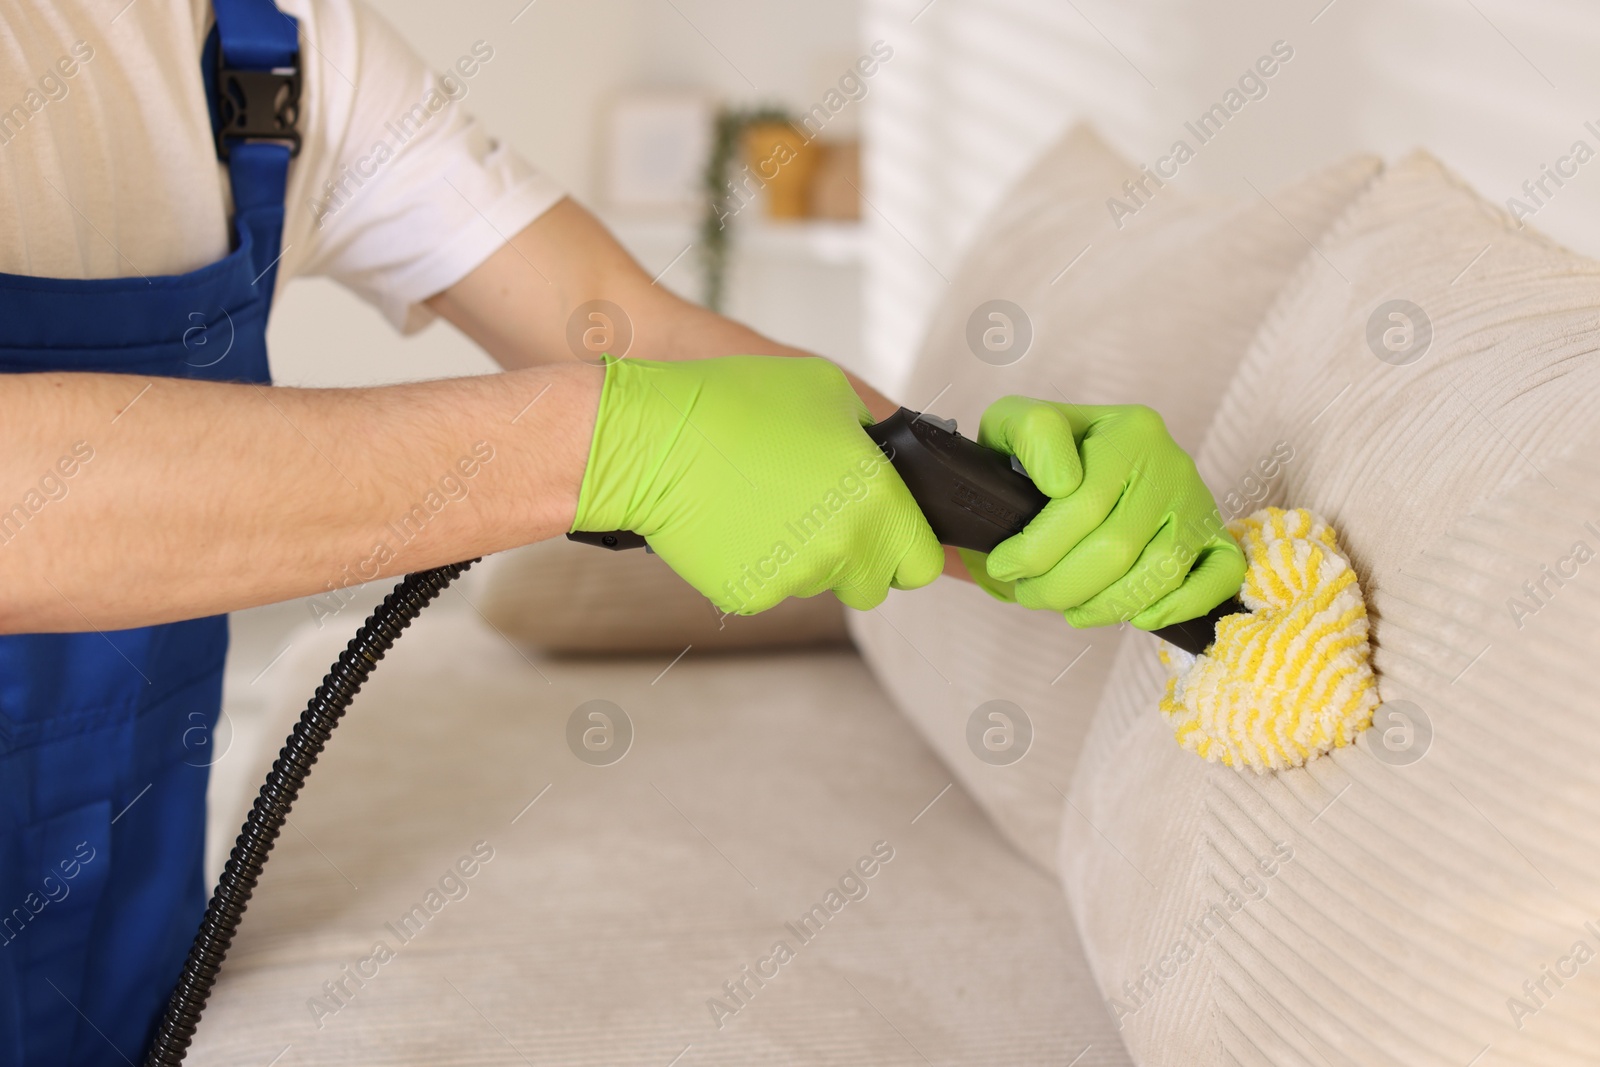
x,y
621,901
1159,313
1406,905
561,596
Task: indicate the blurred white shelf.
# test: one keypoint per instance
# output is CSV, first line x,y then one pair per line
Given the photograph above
x,y
824,242
799,282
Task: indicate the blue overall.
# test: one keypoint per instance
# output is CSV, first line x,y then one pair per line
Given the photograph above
x,y
104,737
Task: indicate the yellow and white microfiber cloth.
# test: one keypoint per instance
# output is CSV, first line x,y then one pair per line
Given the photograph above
x,y
1292,679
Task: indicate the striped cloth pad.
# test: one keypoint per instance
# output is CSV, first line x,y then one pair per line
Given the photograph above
x,y
1290,678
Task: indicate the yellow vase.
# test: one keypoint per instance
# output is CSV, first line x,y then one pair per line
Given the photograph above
x,y
782,160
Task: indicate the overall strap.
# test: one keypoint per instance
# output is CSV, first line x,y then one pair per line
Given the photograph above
x,y
253,84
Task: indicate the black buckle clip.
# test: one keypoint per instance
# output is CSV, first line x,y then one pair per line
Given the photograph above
x,y
257,105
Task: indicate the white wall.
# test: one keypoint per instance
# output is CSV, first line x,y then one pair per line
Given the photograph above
x,y
556,67
979,87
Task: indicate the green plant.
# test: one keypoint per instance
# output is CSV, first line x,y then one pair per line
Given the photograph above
x,y
727,138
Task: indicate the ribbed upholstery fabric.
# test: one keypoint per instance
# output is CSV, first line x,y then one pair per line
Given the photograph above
x,y
1159,312
1420,898
621,898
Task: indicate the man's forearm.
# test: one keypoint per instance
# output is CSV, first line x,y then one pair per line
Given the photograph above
x,y
127,501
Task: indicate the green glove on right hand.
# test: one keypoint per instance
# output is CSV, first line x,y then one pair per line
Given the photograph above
x,y
1131,534
751,477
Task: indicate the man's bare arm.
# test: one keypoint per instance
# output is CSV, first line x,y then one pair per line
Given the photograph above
x,y
126,501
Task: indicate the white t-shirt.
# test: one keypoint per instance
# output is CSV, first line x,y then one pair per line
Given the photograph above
x,y
107,167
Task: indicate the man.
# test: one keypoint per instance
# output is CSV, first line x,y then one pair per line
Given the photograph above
x,y
162,177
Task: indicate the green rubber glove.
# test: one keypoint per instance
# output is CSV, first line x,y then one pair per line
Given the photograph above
x,y
1132,533
751,477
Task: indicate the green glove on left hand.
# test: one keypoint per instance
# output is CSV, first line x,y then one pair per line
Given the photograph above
x,y
1131,534
752,478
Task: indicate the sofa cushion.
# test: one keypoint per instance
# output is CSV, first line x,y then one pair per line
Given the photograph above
x,y
590,911
1402,900
1158,312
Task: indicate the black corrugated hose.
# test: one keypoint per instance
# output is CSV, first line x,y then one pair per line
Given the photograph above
x,y
232,895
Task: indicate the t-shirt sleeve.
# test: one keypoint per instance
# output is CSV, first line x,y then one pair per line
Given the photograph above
x,y
398,192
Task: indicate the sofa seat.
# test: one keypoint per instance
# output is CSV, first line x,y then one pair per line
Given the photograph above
x,y
614,911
